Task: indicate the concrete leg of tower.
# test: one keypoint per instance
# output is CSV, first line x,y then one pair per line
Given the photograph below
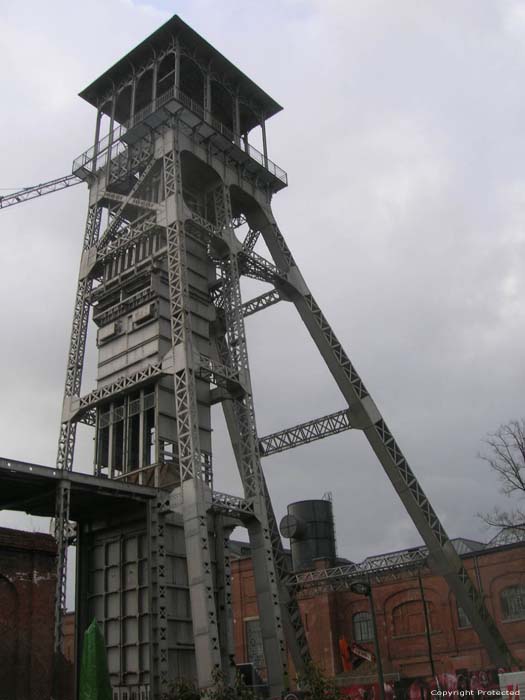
x,y
269,609
192,500
223,529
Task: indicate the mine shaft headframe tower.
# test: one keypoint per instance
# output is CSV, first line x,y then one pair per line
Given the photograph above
x,y
173,184
161,263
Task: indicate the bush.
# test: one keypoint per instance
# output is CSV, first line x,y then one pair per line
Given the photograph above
x,y
220,690
315,684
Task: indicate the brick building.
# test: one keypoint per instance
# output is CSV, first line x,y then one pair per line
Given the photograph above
x,y
27,591
410,656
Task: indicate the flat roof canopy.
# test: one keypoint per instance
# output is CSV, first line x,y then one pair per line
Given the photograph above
x,y
207,54
31,488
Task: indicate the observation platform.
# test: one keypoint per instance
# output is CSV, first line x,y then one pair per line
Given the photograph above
x,y
157,113
176,71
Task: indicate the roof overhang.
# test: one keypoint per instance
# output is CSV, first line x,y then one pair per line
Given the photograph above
x,y
32,488
206,53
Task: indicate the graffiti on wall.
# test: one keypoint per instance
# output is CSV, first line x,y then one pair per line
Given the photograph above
x,y
444,685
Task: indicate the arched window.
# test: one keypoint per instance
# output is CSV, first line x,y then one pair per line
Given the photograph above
x,y
363,627
513,603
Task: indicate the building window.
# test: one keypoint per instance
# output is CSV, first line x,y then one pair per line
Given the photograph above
x,y
363,627
463,620
513,603
254,644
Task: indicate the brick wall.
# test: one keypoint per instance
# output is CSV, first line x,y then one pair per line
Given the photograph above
x,y
400,619
27,590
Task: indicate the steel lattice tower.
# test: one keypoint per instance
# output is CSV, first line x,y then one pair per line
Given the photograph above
x,y
177,201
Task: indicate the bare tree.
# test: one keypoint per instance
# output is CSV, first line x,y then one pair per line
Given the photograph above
x,y
505,454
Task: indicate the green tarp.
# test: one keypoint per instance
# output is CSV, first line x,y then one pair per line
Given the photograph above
x,y
94,674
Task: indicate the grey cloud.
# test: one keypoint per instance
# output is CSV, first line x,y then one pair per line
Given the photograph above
x,y
402,136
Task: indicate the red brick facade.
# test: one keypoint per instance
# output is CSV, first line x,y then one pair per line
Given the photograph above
x,y
27,590
404,646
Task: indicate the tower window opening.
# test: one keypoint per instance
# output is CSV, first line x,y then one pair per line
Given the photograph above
x,y
166,74
191,80
149,437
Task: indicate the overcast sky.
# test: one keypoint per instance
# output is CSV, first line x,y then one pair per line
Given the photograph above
x,y
403,138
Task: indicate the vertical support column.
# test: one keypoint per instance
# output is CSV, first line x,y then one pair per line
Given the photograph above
x,y
61,535
154,82
265,145
111,440
244,431
223,530
207,96
236,120
141,436
81,597
97,139
176,72
193,498
158,599
67,435
133,99
110,137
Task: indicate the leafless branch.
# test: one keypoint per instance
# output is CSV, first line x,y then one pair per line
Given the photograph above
x,y
505,454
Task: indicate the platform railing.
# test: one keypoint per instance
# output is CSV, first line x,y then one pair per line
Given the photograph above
x,y
111,145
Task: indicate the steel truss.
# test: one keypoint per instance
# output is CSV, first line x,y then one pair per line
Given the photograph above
x,y
302,434
240,417
60,183
364,415
66,440
388,567
194,476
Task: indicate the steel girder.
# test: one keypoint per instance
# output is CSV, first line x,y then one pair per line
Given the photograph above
x,y
288,590
365,415
374,568
240,416
279,610
67,435
157,593
224,526
193,472
303,433
263,301
60,183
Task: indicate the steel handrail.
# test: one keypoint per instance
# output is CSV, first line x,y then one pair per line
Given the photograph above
x,y
113,140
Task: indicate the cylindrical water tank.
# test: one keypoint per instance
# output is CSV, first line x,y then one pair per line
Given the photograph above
x,y
309,525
